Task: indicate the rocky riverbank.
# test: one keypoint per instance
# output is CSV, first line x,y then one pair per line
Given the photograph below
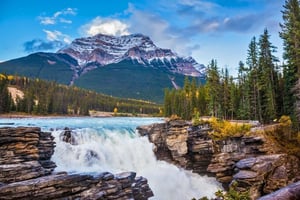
x,y
254,161
28,173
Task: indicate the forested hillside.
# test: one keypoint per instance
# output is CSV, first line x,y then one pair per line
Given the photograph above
x,y
264,89
43,97
126,67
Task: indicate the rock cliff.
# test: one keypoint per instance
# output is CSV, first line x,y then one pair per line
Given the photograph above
x,y
27,172
253,161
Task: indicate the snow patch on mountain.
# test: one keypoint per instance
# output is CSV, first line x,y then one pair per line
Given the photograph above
x,y
101,50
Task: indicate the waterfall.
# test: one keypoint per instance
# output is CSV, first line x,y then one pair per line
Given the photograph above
x,y
111,144
121,149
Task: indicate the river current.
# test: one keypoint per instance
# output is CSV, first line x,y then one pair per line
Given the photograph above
x,y
112,144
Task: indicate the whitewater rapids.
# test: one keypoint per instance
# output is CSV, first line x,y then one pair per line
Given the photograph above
x,y
112,145
123,150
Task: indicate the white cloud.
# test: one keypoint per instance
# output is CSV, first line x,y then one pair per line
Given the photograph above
x,y
46,20
159,30
106,26
212,26
198,4
57,36
63,20
147,23
52,35
70,11
67,39
57,17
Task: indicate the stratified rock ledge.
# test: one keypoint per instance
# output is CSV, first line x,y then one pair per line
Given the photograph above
x,y
253,161
26,172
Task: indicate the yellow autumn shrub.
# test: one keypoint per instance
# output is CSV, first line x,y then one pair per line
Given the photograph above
x,y
223,129
285,121
174,117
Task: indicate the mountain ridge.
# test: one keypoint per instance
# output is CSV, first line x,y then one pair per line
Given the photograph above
x,y
101,50
127,66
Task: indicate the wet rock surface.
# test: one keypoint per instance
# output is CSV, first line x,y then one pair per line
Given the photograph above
x,y
27,172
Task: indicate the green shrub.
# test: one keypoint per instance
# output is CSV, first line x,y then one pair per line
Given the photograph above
x,y
232,194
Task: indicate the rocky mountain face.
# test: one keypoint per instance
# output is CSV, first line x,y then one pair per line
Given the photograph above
x,y
254,162
128,66
101,50
27,172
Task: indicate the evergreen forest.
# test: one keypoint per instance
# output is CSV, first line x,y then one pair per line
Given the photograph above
x,y
49,98
263,90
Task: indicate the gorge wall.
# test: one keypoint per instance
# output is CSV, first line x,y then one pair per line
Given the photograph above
x,y
253,161
26,172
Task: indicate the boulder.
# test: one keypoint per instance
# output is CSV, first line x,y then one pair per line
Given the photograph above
x,y
290,192
68,136
266,174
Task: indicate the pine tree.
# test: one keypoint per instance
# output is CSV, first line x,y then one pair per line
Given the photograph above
x,y
297,95
267,78
252,62
167,103
214,90
234,98
5,99
244,105
203,100
225,93
194,94
291,41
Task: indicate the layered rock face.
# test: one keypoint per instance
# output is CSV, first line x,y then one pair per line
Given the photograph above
x,y
78,186
253,162
25,154
27,172
267,173
170,140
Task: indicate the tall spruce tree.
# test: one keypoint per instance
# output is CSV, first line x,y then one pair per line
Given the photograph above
x,y
202,100
214,89
252,62
243,83
234,98
187,97
290,34
225,103
5,99
267,78
167,103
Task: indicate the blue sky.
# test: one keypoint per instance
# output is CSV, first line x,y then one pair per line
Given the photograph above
x,y
204,29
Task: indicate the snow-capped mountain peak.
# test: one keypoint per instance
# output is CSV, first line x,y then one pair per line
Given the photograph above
x,y
101,50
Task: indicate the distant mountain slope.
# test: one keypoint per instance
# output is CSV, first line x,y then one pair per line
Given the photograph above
x,y
128,79
101,50
128,66
48,66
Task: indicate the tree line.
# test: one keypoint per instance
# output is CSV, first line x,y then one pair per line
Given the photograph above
x,y
46,98
263,90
